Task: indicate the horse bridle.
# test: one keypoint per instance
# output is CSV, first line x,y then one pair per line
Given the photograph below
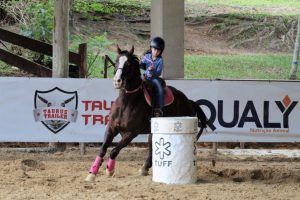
x,y
124,83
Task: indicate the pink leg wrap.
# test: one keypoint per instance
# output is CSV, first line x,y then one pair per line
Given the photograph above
x,y
111,164
95,166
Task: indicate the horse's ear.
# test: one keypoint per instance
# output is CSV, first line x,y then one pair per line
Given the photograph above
x,y
131,50
118,49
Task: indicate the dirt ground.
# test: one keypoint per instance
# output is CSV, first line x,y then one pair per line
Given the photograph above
x,y
198,39
61,176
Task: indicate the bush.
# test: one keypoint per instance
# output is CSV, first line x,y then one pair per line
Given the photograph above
x,y
35,18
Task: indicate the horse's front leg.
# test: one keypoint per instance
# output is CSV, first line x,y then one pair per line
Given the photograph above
x,y
144,171
126,139
108,138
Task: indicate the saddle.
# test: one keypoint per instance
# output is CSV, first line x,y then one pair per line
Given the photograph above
x,y
148,90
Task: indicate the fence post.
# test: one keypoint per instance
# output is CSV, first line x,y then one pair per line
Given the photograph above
x,y
82,148
293,72
215,148
107,60
83,74
105,67
242,145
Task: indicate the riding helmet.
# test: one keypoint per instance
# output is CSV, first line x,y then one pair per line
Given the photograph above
x,y
157,43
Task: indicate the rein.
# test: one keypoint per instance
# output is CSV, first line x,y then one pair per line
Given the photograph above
x,y
134,90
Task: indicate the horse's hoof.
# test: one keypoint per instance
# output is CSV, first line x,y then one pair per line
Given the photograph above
x,y
110,173
143,172
90,178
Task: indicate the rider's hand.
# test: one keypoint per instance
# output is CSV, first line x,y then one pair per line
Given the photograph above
x,y
148,74
150,67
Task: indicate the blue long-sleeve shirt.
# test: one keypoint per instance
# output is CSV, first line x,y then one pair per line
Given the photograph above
x,y
157,66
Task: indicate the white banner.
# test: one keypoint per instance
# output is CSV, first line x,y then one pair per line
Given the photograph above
x,y
76,110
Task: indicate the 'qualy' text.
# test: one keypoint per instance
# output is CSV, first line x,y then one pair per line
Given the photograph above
x,y
249,113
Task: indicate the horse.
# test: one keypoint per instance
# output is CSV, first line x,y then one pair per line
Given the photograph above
x,y
130,114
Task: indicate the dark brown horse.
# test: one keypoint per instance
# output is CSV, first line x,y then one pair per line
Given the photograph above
x,y
130,114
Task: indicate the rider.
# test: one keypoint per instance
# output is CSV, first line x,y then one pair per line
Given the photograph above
x,y
153,65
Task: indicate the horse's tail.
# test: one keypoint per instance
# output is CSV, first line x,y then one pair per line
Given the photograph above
x,y
202,120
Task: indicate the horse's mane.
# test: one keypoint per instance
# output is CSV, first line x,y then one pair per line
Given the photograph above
x,y
132,59
136,62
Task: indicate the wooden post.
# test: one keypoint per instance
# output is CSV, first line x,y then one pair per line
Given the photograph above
x,y
82,148
293,72
83,74
105,66
242,145
71,17
215,148
60,68
2,11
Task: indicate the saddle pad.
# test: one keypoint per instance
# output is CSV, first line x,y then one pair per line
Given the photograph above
x,y
168,97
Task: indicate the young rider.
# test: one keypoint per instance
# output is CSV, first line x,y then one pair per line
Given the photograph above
x,y
153,65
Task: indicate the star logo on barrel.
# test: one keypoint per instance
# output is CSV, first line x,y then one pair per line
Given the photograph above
x,y
178,126
162,148
155,127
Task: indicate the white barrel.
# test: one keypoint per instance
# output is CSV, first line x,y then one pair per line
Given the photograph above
x,y
174,149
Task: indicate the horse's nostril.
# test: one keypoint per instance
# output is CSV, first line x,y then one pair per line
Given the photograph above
x,y
119,80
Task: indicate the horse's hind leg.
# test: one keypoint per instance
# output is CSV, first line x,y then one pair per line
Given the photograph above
x,y
144,171
126,139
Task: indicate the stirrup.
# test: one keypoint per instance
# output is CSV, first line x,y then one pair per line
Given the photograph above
x,y
158,112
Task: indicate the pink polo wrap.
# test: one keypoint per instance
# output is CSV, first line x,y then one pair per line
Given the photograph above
x,y
95,166
111,164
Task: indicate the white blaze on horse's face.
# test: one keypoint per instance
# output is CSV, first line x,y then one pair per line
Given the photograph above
x,y
117,81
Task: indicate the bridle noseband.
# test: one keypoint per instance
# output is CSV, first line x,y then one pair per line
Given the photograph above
x,y
119,70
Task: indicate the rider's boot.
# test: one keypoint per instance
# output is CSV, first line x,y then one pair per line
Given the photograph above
x,y
158,112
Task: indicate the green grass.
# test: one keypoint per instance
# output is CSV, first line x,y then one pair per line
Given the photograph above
x,y
267,7
7,70
237,67
90,9
267,67
259,3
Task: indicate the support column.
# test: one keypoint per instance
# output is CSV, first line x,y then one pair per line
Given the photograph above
x,y
167,21
60,66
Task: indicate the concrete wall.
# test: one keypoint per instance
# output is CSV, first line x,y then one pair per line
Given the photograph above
x,y
167,21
